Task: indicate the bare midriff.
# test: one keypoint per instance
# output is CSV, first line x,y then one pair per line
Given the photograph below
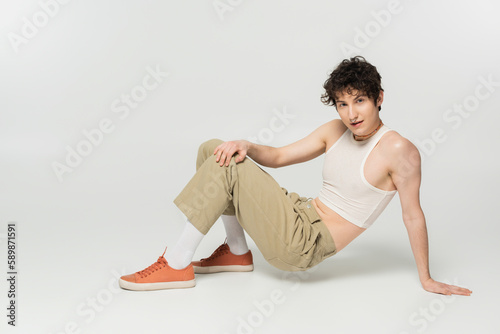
x,y
341,230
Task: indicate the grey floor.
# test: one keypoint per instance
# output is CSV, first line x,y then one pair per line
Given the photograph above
x,y
68,282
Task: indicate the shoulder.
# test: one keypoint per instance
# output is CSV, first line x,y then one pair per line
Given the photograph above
x,y
400,150
333,128
394,143
331,131
335,124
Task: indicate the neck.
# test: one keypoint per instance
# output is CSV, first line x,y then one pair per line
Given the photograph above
x,y
364,137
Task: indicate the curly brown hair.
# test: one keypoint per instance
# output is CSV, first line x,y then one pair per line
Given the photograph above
x,y
352,74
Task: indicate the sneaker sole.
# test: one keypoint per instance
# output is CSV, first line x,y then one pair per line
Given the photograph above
x,y
156,286
219,269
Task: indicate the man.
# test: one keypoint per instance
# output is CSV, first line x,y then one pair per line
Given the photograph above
x,y
366,163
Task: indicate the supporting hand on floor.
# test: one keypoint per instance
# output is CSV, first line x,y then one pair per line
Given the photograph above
x,y
445,289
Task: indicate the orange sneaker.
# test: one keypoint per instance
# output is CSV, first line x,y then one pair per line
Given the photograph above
x,y
223,260
159,276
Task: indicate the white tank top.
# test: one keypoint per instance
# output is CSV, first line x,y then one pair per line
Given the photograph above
x,y
345,189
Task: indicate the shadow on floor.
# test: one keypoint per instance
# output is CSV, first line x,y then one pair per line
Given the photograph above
x,y
364,260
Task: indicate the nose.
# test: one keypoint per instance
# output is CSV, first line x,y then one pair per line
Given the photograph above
x,y
352,113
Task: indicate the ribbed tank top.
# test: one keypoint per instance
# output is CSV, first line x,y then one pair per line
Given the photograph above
x,y
345,189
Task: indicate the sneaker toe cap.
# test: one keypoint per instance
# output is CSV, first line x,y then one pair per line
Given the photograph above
x,y
129,278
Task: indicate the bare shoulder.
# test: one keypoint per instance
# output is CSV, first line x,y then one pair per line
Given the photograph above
x,y
399,150
335,126
392,140
332,131
338,125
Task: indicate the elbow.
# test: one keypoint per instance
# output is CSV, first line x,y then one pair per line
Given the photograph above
x,y
414,217
276,160
273,164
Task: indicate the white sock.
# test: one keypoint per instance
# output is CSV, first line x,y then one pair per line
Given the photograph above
x,y
181,255
235,235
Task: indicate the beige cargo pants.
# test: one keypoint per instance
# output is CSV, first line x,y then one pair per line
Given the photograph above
x,y
285,227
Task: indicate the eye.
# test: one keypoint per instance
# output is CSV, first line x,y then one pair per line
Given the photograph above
x,y
360,100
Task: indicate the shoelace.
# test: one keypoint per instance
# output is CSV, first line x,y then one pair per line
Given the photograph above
x,y
221,250
161,263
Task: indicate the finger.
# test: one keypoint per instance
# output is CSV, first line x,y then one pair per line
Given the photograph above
x,y
242,155
218,152
222,155
230,153
222,159
225,157
239,158
457,290
444,291
228,158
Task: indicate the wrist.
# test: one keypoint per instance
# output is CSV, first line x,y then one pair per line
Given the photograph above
x,y
425,280
250,147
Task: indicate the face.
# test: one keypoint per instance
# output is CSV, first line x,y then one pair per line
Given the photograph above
x,y
358,112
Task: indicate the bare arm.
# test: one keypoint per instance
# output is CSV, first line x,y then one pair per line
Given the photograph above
x,y
302,150
263,155
406,175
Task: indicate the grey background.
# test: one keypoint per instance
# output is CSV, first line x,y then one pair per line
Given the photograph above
x,y
228,75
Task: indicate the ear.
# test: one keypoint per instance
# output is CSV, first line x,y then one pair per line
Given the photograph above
x,y
380,98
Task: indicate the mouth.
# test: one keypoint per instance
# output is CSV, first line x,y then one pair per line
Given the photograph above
x,y
356,124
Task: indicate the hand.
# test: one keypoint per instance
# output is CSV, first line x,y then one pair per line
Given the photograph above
x,y
227,149
444,289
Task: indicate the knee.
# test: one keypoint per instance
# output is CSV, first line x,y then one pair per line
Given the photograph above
x,y
209,146
206,150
